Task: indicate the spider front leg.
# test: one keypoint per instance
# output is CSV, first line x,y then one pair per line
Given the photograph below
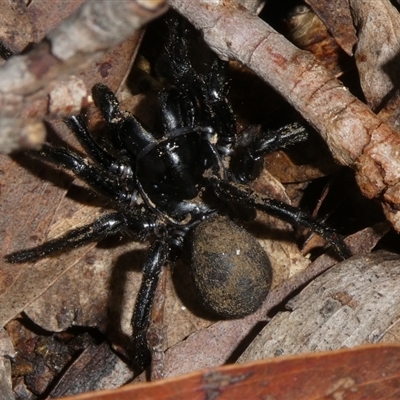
x,y
104,226
120,124
119,167
108,104
128,135
247,161
155,259
94,176
234,192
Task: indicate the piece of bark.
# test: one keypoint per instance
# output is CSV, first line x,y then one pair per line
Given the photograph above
x,y
308,32
367,372
6,352
96,368
353,303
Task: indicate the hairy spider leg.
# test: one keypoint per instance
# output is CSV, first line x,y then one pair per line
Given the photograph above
x,y
236,192
93,175
129,136
138,222
247,160
104,226
119,166
281,138
155,258
97,153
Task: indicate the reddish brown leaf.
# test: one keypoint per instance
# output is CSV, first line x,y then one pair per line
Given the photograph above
x,y
369,372
308,32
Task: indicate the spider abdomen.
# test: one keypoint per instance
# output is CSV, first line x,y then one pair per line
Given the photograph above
x,y
230,268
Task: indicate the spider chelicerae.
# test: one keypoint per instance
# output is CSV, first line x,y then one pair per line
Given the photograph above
x,y
179,183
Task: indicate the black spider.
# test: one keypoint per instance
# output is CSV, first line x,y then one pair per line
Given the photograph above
x,y
167,184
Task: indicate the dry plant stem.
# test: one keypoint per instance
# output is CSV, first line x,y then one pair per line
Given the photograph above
x,y
355,135
85,35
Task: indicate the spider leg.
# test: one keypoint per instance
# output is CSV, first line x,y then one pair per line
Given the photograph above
x,y
136,222
108,104
155,259
106,101
102,227
248,160
129,136
221,115
281,138
239,193
174,110
94,176
120,168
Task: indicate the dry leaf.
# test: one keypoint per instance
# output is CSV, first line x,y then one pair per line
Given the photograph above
x,y
337,18
308,32
378,30
368,372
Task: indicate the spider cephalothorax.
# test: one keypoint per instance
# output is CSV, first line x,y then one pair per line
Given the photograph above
x,y
177,181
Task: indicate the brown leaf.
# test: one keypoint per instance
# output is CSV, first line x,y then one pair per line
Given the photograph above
x,y
378,26
368,372
337,18
308,32
284,254
96,368
25,224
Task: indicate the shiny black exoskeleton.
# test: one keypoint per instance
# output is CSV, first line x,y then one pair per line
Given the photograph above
x,y
177,181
